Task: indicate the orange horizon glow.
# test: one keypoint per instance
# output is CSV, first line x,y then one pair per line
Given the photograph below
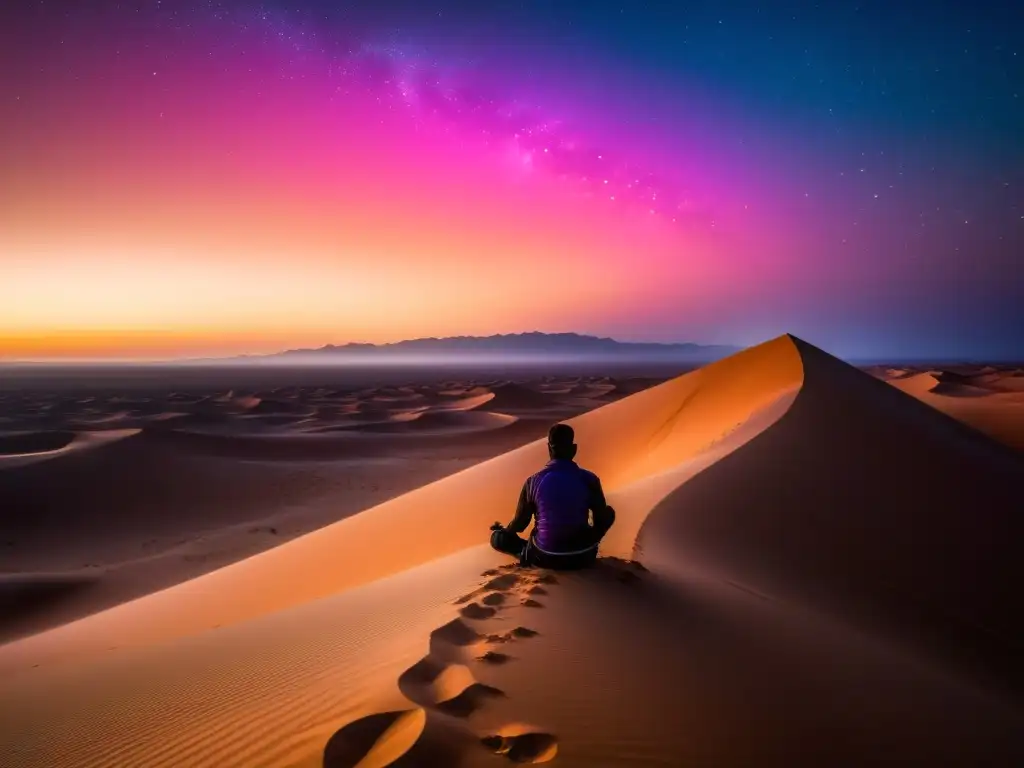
x,y
258,274
222,210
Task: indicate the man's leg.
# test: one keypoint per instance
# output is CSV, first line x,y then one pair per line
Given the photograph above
x,y
564,562
507,543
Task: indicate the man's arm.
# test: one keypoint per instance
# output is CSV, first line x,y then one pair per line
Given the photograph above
x,y
524,511
604,516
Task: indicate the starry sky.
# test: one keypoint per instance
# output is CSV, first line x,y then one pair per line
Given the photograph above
x,y
199,178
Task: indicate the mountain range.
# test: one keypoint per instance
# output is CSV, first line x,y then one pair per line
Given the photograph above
x,y
514,345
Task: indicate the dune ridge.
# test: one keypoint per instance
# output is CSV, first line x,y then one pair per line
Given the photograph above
x,y
991,401
81,441
814,565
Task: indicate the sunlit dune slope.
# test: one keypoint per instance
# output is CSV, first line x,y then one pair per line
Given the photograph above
x,y
637,438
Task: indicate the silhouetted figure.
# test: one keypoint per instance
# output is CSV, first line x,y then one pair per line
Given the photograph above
x,y
561,498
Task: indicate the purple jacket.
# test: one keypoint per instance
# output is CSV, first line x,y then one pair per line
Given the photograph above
x,y
560,497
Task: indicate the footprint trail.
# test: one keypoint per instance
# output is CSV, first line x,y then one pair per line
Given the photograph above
x,y
446,693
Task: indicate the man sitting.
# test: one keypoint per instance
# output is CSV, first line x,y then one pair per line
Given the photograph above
x,y
561,498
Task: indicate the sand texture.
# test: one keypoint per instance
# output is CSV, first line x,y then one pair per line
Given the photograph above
x,y
989,398
809,567
111,491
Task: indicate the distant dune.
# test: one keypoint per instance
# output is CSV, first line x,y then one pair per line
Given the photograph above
x,y
990,400
809,567
511,396
20,443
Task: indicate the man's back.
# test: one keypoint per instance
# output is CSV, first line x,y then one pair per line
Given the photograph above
x,y
563,493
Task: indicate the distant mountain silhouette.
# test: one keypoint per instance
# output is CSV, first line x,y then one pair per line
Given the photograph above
x,y
514,345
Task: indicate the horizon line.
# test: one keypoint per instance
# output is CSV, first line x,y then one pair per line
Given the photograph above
x,y
255,356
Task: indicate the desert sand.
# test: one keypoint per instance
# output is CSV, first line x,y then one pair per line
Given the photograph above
x,y
809,566
989,398
115,491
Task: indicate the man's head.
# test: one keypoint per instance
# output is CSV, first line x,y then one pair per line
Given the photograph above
x,y
560,442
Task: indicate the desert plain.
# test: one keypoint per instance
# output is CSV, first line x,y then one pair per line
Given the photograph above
x,y
812,564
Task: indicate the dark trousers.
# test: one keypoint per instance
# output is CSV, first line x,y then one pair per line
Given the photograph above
x,y
528,554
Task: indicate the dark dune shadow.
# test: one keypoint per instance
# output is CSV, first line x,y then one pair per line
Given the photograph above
x,y
34,442
879,510
24,598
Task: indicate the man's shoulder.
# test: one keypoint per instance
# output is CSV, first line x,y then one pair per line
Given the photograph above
x,y
531,481
586,474
539,473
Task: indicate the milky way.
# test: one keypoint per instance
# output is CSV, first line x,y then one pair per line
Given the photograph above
x,y
442,93
539,142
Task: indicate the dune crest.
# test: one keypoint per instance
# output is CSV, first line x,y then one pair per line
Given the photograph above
x,y
81,441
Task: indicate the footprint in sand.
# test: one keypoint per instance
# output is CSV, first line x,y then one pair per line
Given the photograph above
x,y
470,700
448,688
505,581
477,611
493,591
446,640
360,739
493,657
446,692
512,634
524,747
412,737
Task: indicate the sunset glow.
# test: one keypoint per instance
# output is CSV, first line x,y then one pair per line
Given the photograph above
x,y
224,181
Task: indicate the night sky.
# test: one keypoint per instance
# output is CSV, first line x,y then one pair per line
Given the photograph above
x,y
183,178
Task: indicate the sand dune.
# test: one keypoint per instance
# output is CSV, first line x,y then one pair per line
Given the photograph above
x,y
1002,383
991,402
21,443
213,482
809,567
81,441
943,383
449,422
138,514
275,407
913,536
513,396
467,403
